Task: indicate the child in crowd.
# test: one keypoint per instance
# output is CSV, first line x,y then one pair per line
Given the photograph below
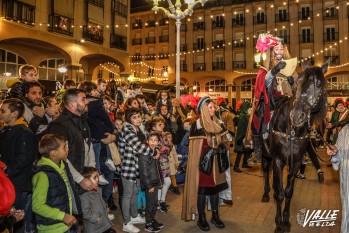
x,y
173,162
108,102
163,99
157,125
151,180
151,109
27,73
117,177
51,107
94,209
54,195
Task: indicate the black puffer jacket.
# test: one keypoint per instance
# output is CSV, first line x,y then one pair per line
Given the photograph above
x,y
150,172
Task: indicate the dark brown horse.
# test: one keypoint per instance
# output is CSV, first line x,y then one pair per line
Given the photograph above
x,y
290,126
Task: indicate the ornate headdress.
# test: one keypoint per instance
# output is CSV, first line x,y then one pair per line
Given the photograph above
x,y
266,41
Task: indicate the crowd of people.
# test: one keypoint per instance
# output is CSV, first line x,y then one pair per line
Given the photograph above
x,y
63,155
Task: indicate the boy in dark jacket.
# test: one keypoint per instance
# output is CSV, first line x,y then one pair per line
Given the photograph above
x,y
151,179
27,73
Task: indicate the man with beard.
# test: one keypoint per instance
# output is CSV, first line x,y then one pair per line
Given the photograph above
x,y
72,124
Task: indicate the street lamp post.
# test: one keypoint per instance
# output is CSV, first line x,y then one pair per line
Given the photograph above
x,y
175,12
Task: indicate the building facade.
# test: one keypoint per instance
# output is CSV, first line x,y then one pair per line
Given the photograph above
x,y
87,37
218,43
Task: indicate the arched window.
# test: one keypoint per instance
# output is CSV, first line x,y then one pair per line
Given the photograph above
x,y
247,84
219,85
196,87
10,63
48,69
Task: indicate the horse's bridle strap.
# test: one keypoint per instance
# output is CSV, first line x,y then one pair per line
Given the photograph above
x,y
287,136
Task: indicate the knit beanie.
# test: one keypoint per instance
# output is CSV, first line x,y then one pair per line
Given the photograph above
x,y
7,192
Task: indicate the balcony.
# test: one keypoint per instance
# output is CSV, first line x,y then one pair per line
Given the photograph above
x,y
286,39
137,57
282,18
238,22
334,60
331,37
239,64
93,34
119,8
137,25
61,24
19,11
198,26
182,48
239,44
303,15
199,67
306,38
330,13
163,22
137,41
163,56
150,24
164,38
218,44
218,24
260,19
150,40
218,65
198,46
118,41
149,57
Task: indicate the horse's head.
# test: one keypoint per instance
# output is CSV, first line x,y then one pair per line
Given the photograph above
x,y
310,95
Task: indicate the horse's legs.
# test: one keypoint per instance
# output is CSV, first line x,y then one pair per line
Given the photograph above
x,y
278,193
266,163
288,194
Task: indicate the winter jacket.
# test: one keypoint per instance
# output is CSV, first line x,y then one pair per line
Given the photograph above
x,y
54,195
15,89
18,152
242,128
131,148
76,130
150,172
98,119
95,212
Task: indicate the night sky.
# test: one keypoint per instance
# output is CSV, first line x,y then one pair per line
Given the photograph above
x,y
139,3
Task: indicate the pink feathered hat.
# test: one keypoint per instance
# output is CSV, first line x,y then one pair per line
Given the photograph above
x,y
266,41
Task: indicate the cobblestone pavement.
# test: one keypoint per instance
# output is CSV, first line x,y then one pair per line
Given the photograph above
x,y
249,214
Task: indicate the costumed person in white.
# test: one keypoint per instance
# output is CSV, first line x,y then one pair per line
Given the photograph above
x,y
340,161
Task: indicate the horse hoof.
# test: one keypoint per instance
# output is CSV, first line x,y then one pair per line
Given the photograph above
x,y
287,227
279,229
265,198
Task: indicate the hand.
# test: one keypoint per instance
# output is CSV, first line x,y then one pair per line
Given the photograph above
x,y
18,215
332,150
51,112
151,190
86,184
69,220
39,111
328,126
278,67
173,119
109,139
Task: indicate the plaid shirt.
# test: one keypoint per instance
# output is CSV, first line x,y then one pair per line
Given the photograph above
x,y
130,149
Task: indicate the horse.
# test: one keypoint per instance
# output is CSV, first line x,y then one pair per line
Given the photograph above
x,y
289,130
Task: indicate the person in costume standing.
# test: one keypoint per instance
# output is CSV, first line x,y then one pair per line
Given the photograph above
x,y
339,118
207,163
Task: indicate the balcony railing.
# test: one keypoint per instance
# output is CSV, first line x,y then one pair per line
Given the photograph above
x,y
150,24
199,67
137,57
118,41
150,40
338,85
330,37
286,39
239,44
198,46
199,26
305,15
218,44
19,11
164,38
119,8
182,47
330,13
239,64
137,25
259,19
99,3
334,60
238,21
218,65
306,38
163,22
218,24
150,57
282,18
163,56
137,41
93,34
61,24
